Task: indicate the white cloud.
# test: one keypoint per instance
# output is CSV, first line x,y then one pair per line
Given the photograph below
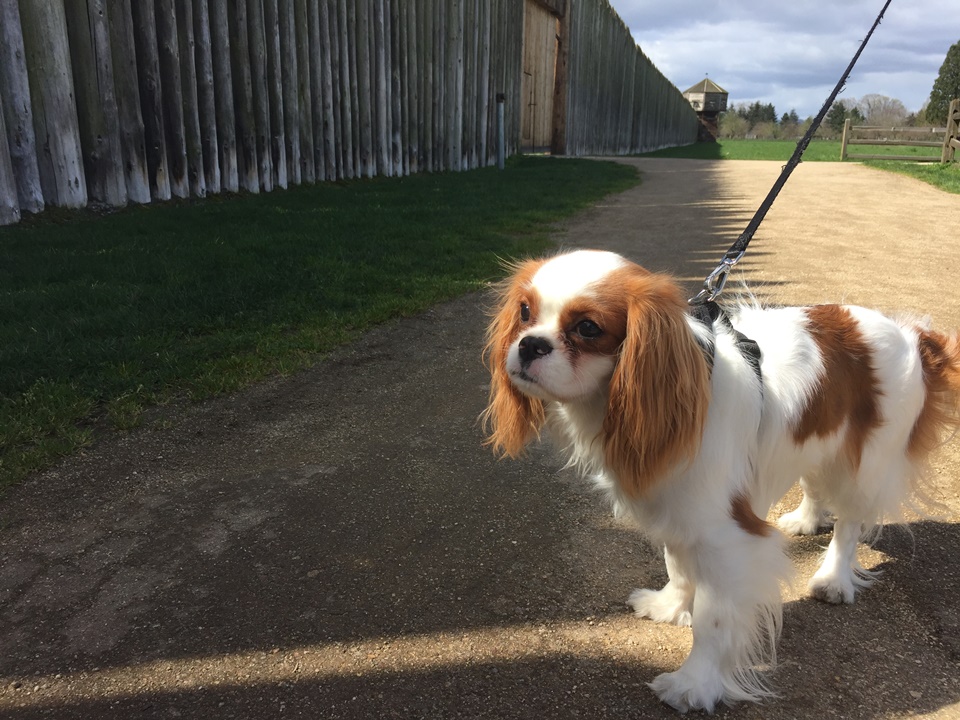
x,y
791,54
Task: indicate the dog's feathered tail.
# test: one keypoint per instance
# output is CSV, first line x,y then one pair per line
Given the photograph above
x,y
940,361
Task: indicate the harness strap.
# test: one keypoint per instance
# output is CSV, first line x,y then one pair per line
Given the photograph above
x,y
709,313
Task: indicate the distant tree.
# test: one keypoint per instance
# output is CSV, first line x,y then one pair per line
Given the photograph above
x,y
836,117
757,112
841,111
733,125
882,110
945,88
790,118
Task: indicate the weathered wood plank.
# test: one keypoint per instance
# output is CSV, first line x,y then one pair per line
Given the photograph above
x,y
257,38
304,96
168,48
97,115
9,205
206,102
248,164
325,93
47,54
278,132
20,136
196,174
223,92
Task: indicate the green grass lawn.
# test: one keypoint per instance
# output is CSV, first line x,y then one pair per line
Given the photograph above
x,y
946,177
102,316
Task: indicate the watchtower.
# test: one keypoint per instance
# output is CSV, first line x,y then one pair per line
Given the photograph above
x,y
708,100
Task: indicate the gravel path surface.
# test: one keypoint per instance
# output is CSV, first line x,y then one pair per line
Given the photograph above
x,y
339,545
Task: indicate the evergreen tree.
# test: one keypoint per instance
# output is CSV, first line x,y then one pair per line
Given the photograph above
x,y
836,117
945,88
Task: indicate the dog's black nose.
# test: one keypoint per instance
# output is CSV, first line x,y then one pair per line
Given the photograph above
x,y
533,347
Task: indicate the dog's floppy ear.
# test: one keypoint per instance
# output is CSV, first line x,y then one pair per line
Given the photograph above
x,y
660,388
512,419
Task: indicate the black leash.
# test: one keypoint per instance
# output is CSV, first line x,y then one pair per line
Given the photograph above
x,y
713,285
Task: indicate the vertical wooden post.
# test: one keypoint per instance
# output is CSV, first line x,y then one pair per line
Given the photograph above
x,y
316,87
168,49
381,115
206,102
331,165
257,59
291,107
19,137
278,132
9,205
340,129
483,85
196,174
151,102
843,142
223,92
346,100
367,163
413,86
558,138
47,55
243,95
397,29
307,168
951,137
87,27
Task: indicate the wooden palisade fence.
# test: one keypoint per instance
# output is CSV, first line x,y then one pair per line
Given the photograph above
x,y
115,101
617,101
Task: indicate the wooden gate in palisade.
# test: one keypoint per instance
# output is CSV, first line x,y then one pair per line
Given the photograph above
x,y
537,85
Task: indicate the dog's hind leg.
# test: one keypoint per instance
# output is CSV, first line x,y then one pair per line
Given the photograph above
x,y
840,574
672,604
810,515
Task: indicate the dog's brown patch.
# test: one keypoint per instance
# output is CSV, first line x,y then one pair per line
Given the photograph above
x,y
848,390
747,519
940,360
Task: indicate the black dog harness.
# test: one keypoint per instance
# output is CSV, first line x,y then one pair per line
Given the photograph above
x,y
708,314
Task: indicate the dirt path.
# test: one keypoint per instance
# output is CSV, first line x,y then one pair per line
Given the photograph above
x,y
339,545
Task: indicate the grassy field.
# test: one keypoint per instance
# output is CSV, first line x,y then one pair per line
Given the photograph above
x,y
102,316
945,177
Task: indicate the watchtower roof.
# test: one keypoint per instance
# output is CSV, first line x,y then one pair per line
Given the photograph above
x,y
706,86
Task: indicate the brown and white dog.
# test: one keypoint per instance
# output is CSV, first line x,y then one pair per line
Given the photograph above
x,y
685,433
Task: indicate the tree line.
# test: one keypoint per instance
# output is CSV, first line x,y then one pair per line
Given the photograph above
x,y
759,120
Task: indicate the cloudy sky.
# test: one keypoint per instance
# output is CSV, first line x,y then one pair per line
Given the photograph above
x,y
791,52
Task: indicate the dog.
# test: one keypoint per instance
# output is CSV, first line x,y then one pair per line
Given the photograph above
x,y
697,425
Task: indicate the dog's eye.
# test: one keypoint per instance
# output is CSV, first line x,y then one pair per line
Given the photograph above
x,y
588,329
524,312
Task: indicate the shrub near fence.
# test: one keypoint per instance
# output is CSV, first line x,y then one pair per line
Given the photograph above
x,y
116,101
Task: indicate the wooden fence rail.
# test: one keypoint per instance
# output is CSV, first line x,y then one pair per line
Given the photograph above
x,y
877,136
115,101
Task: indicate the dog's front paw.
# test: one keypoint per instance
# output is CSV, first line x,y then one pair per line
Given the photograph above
x,y
668,605
688,691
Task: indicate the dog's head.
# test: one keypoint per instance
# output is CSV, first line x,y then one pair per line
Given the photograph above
x,y
590,326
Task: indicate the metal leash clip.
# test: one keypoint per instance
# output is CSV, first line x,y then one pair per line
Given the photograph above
x,y
714,283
